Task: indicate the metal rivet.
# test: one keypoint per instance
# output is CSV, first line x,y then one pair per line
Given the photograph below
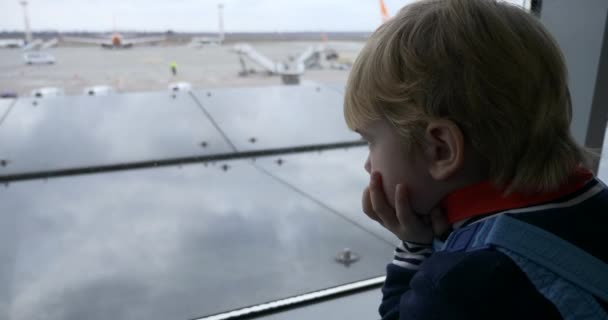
x,y
347,257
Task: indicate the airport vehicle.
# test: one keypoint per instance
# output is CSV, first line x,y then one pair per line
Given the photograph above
x,y
114,41
47,92
8,94
180,86
38,57
99,90
12,43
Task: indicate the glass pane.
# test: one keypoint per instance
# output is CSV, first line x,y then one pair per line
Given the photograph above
x,y
339,87
603,167
65,132
5,104
336,178
172,242
276,117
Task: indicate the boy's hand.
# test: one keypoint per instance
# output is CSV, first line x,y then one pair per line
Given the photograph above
x,y
401,220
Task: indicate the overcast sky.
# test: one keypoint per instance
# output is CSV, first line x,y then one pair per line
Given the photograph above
x,y
198,15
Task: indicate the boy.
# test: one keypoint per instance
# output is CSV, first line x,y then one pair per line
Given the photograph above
x,y
466,109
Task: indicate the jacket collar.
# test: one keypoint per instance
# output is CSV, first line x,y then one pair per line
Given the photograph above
x,y
484,198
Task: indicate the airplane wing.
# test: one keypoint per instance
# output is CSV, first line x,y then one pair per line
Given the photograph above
x,y
142,40
97,41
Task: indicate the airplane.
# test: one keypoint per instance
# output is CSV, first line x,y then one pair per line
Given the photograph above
x,y
12,43
116,41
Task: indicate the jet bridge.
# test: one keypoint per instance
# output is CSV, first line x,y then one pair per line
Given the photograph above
x,y
246,51
290,72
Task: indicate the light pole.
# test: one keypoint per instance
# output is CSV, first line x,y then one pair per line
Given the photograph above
x,y
220,8
26,19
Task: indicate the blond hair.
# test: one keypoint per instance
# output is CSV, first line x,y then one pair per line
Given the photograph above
x,y
489,67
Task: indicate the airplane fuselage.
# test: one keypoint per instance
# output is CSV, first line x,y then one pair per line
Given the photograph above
x,y
116,42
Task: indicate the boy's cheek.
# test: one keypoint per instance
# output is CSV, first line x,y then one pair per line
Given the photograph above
x,y
421,201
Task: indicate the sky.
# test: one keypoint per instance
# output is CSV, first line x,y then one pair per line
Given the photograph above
x,y
197,15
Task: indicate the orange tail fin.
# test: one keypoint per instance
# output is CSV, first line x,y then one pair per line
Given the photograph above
x,y
384,12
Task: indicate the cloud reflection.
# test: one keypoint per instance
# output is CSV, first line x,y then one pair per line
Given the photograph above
x,y
173,243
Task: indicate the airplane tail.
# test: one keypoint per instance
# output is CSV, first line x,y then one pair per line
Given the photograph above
x,y
384,12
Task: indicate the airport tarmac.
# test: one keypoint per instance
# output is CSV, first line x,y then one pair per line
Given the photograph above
x,y
146,68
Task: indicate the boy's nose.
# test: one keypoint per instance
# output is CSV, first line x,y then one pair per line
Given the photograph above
x,y
368,166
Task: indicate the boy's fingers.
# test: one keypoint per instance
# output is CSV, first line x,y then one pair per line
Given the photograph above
x,y
379,204
405,215
368,209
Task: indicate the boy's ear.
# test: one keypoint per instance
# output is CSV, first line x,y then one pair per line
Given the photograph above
x,y
444,148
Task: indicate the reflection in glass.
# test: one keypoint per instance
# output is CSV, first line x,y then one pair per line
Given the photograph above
x,y
174,242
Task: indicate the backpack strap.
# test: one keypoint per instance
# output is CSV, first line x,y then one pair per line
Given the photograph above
x,y
537,245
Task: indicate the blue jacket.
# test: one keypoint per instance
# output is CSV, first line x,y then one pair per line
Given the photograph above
x,y
487,284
